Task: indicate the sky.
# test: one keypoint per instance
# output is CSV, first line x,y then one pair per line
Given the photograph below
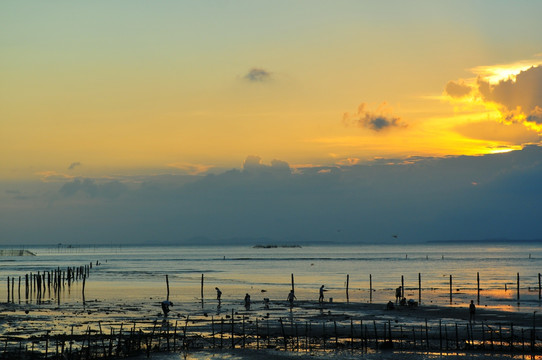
x,y
171,121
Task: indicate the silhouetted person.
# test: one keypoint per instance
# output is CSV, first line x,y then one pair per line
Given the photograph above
x,y
398,294
390,306
218,294
321,297
472,311
165,306
247,301
291,298
266,303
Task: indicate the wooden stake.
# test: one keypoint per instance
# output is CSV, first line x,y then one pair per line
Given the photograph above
x,y
103,342
347,283
389,332
323,335
221,333
212,329
243,330
293,283
450,289
426,334
376,334
83,291
478,286
511,336
283,334
167,285
351,335
336,335
257,337
440,333
539,288
232,328
518,290
533,333
419,288
370,288
185,343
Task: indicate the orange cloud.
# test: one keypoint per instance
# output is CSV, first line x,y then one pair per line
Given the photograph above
x,y
457,89
511,94
518,99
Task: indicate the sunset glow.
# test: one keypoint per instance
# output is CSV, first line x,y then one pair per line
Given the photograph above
x,y
117,101
208,107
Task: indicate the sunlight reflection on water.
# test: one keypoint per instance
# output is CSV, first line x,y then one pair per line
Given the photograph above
x,y
139,272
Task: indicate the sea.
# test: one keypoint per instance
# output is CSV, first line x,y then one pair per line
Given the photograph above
x,y
502,276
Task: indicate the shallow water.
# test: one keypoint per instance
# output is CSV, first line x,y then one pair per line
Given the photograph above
x,y
139,272
390,355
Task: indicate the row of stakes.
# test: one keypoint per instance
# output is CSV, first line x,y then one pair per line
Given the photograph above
x,y
37,285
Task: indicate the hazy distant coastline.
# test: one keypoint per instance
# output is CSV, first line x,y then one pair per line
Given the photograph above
x,y
487,241
269,243
274,246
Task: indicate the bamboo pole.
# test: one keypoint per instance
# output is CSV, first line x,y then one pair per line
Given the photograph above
x,y
167,336
212,330
243,330
232,328
450,288
221,333
511,336
376,334
351,335
426,334
336,334
323,335
283,334
347,283
257,336
184,332
518,288
539,288
167,286
83,290
440,333
370,288
478,286
103,342
419,288
533,333
13,290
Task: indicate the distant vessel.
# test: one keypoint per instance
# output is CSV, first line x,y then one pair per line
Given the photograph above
x,y
16,253
275,246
